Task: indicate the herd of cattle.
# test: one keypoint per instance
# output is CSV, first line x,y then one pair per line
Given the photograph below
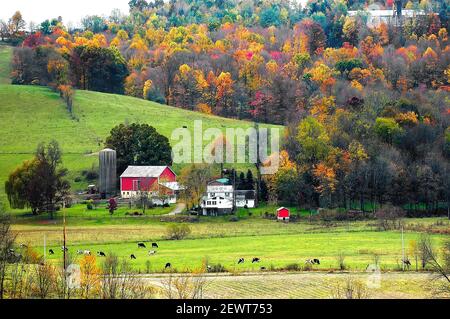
x,y
86,252
14,256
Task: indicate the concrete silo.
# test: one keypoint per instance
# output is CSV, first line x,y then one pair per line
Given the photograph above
x,y
107,177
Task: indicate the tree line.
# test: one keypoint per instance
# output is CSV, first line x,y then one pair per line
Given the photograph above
x,y
260,61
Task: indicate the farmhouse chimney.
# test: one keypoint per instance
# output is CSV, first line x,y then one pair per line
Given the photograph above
x,y
107,180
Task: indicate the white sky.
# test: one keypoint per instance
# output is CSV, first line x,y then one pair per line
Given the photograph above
x,y
71,10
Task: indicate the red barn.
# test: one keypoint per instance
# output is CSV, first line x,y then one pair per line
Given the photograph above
x,y
283,213
147,179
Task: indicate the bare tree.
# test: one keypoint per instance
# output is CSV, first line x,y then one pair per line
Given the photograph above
x,y
350,288
389,217
441,279
6,245
4,30
340,258
44,279
189,286
178,232
20,281
63,288
118,281
425,250
109,283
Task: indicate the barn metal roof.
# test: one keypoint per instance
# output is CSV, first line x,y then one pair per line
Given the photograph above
x,y
143,171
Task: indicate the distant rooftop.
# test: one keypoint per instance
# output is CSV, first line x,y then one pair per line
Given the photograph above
x,y
223,180
388,13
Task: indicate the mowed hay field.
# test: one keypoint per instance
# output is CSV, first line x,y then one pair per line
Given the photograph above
x,y
277,245
308,285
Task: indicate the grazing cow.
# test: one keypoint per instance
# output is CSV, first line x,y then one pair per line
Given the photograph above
x,y
406,262
262,268
209,268
87,252
80,252
152,252
168,265
23,246
154,245
241,261
64,248
314,261
255,260
132,256
101,254
141,245
51,252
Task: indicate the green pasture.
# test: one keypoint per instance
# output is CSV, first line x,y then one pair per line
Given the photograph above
x,y
278,251
5,63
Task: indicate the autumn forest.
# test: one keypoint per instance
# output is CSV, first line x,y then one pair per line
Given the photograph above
x,y
366,106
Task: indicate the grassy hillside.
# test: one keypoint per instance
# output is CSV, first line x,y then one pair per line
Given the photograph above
x,y
32,114
5,58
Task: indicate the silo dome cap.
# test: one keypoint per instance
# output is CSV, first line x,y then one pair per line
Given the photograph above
x,y
107,150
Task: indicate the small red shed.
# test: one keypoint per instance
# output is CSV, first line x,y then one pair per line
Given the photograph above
x,y
283,214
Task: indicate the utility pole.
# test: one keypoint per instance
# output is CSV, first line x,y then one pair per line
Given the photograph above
x,y
234,190
64,236
403,252
257,165
45,246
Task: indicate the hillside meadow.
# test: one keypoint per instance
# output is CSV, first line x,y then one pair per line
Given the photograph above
x,y
5,65
33,114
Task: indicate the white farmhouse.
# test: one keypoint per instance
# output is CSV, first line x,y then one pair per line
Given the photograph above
x,y
245,198
221,198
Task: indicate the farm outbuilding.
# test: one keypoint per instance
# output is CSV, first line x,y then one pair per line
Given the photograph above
x,y
151,179
283,214
107,177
